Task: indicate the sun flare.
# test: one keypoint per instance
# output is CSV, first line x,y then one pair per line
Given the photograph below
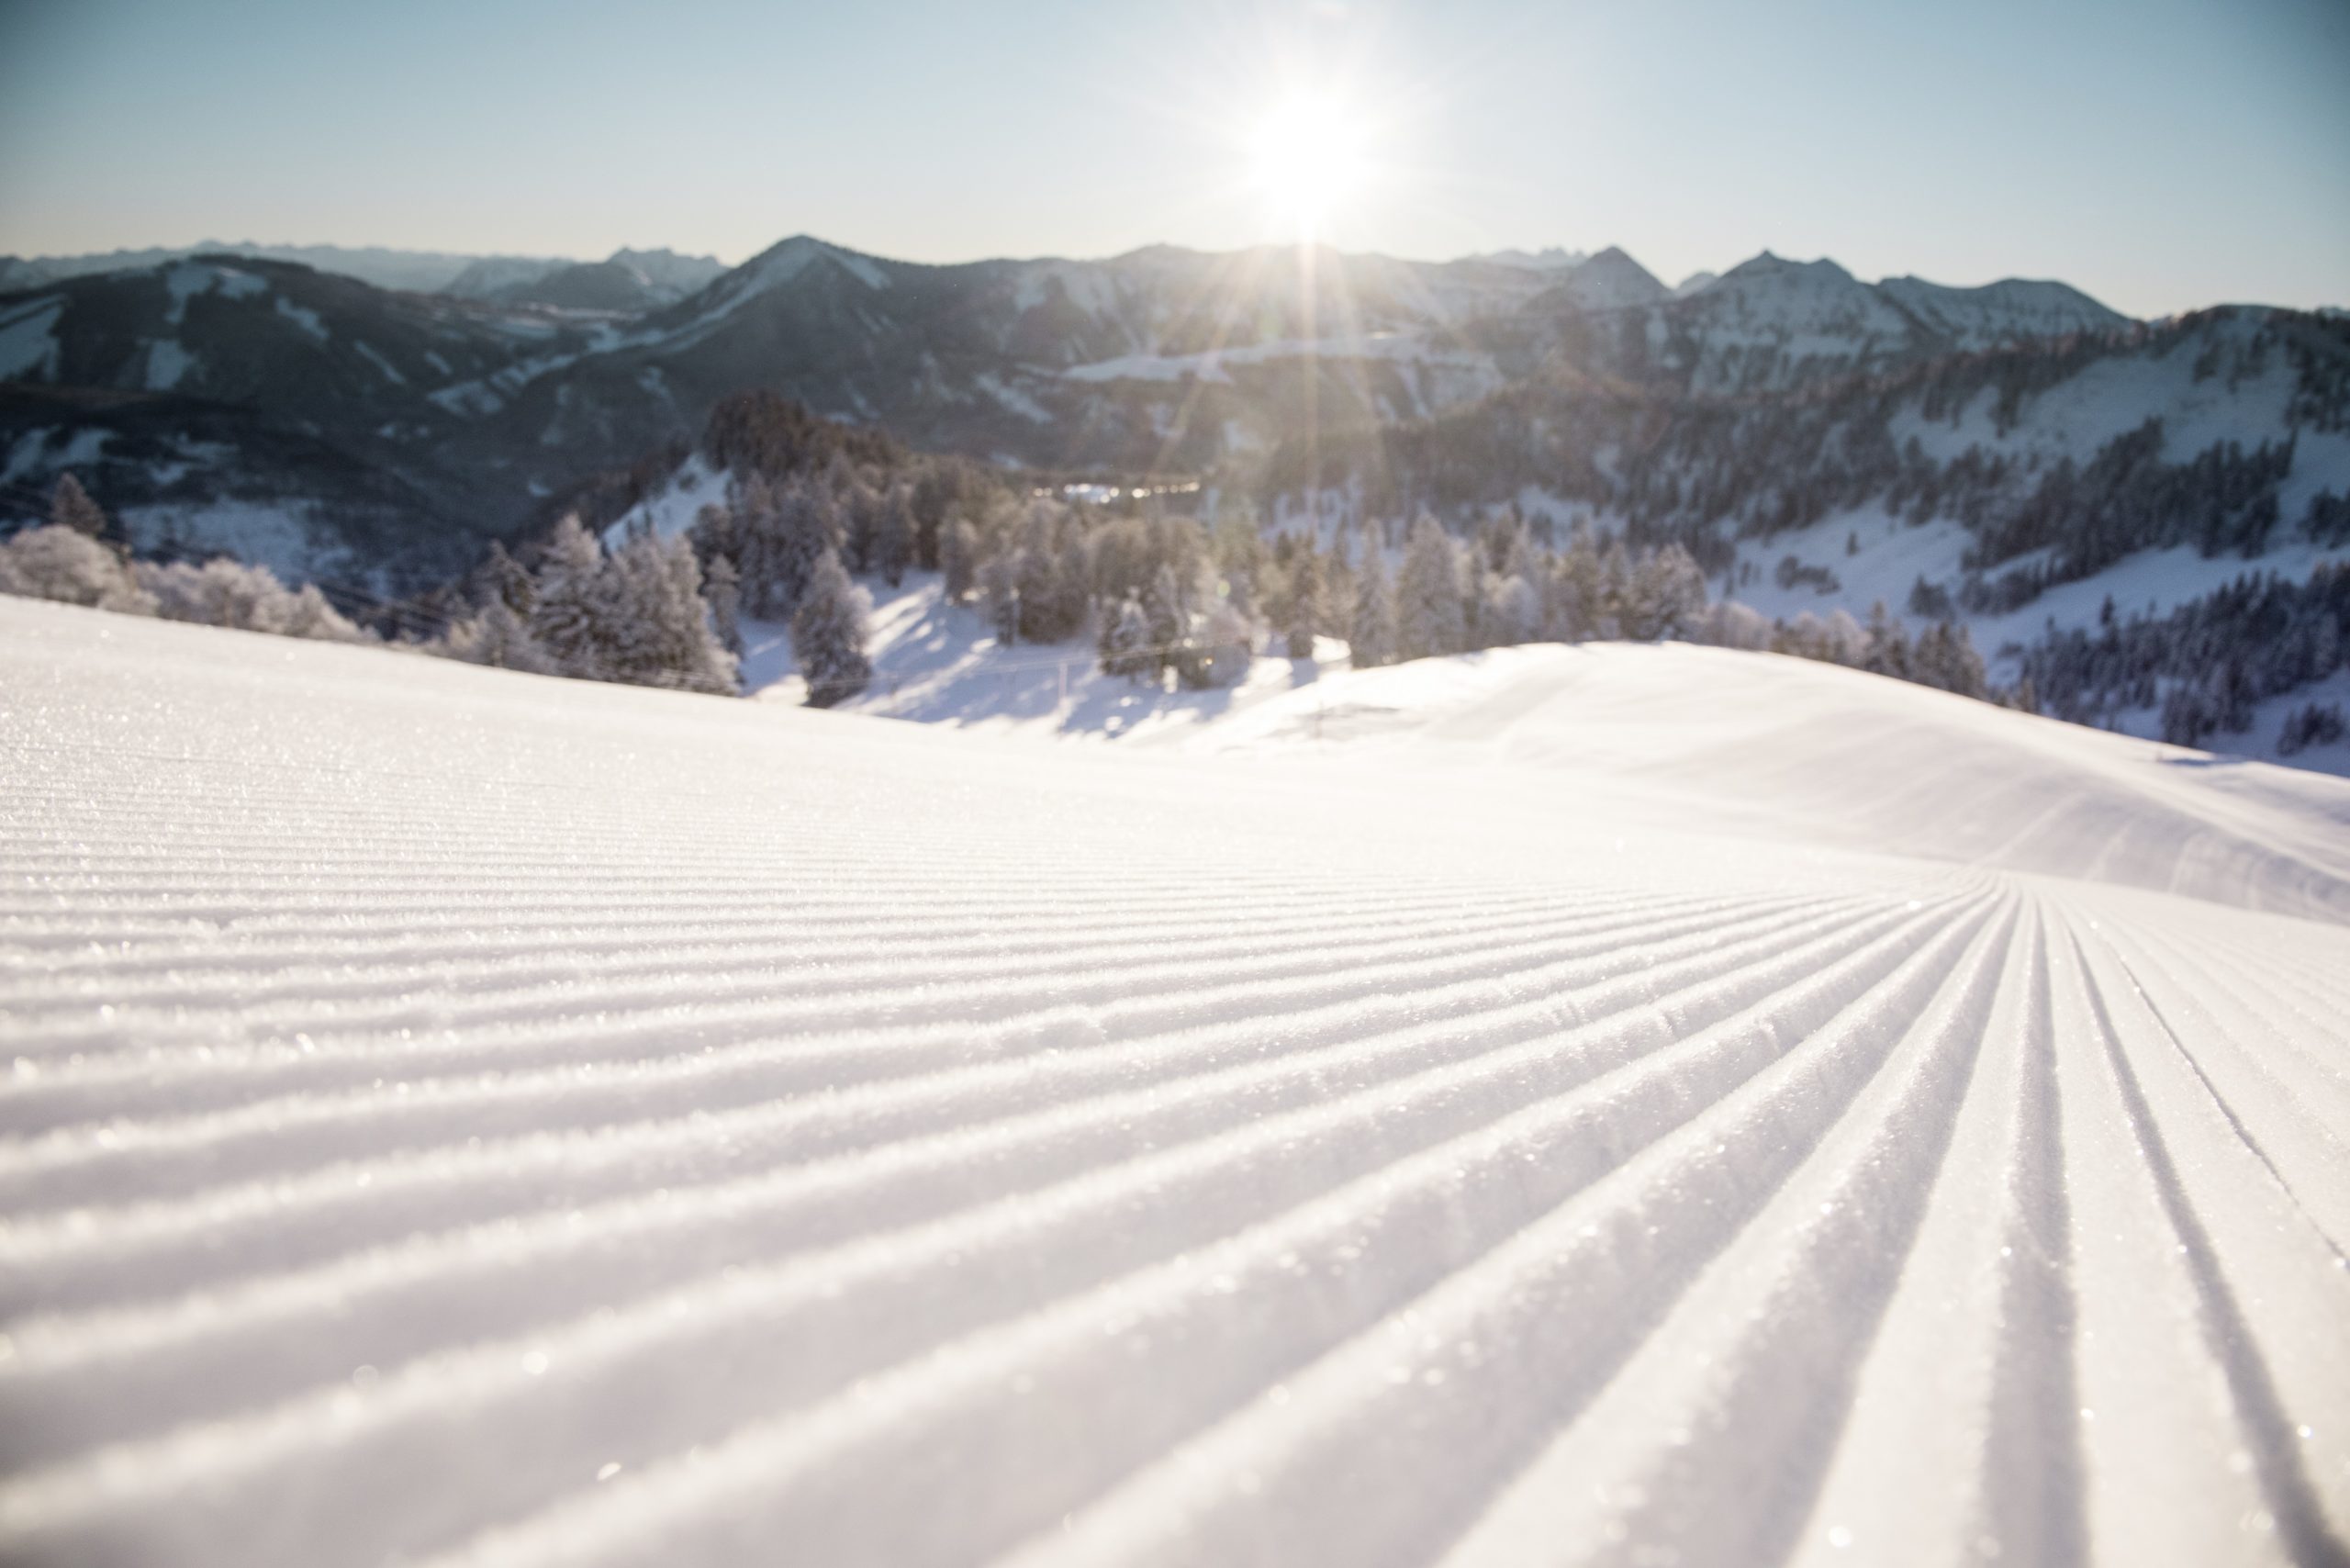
x,y
1307,158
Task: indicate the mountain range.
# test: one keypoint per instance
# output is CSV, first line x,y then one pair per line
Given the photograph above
x,y
336,428
426,272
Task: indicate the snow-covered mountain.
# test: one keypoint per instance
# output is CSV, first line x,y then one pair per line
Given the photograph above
x,y
421,272
291,416
1608,281
1551,258
1610,1105
2011,487
626,283
1161,359
1770,325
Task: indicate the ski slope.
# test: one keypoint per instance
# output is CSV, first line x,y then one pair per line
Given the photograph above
x,y
1602,1107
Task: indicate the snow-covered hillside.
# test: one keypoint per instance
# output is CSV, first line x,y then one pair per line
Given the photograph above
x,y
940,663
1609,1106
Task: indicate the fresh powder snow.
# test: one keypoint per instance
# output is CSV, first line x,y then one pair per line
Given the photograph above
x,y
1604,1105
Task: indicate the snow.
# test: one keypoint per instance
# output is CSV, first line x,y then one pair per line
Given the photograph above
x,y
1091,286
185,280
939,663
25,454
375,356
303,316
2000,312
1210,365
28,340
1894,554
1011,397
262,533
1604,1105
675,505
2115,395
167,364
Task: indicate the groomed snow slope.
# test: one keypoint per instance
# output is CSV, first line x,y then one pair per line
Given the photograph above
x,y
459,1118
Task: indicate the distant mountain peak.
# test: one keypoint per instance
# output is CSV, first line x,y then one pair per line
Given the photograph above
x,y
1768,264
1611,280
1553,258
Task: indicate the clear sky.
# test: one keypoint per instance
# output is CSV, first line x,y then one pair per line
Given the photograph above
x,y
2161,153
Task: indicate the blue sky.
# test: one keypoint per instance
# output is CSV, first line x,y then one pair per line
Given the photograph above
x,y
2162,153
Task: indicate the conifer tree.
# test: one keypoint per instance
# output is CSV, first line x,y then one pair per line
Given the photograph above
x,y
958,550
1126,640
828,635
68,565
70,506
1666,597
1429,616
1300,608
1168,617
1886,650
893,534
722,589
1370,634
501,578
808,525
568,602
500,638
654,626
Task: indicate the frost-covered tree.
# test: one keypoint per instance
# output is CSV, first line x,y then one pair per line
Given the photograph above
x,y
228,593
1429,616
1124,642
1218,654
1666,597
500,638
500,576
1371,633
892,549
1167,611
1509,611
1574,592
1887,650
569,602
828,635
69,565
808,526
70,506
721,587
999,588
2312,723
958,559
1727,624
1297,608
1943,656
653,622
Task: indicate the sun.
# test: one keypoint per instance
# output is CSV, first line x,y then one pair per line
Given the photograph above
x,y
1307,158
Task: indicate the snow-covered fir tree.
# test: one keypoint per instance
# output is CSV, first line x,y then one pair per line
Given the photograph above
x,y
568,602
1370,634
653,622
497,637
828,635
1429,617
891,550
70,506
69,565
723,587
1125,642
958,552
1298,611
